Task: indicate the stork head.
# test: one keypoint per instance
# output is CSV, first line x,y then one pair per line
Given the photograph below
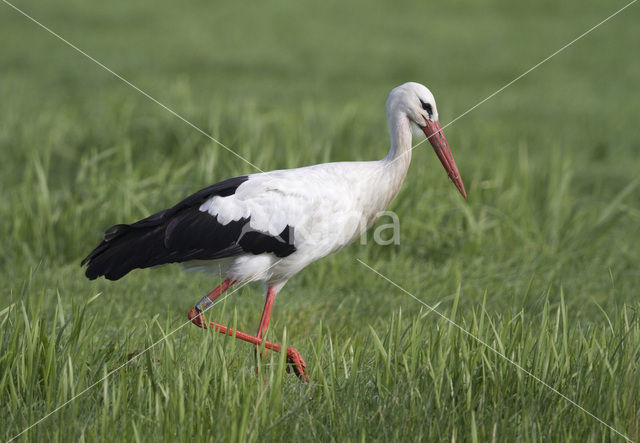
x,y
417,103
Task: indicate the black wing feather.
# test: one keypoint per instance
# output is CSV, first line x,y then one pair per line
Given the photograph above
x,y
182,233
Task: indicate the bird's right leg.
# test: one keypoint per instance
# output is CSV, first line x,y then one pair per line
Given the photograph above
x,y
195,315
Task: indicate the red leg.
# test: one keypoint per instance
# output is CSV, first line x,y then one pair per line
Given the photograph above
x,y
266,314
195,314
293,356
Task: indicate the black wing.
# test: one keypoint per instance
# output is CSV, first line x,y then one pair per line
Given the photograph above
x,y
182,233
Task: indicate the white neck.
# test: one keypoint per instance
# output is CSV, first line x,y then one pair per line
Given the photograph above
x,y
384,184
400,131
396,163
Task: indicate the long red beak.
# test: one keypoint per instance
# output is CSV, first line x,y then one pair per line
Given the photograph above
x,y
434,134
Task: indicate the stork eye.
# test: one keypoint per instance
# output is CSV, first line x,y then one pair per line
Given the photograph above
x,y
427,107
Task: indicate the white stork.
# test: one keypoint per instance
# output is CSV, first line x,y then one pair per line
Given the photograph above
x,y
268,226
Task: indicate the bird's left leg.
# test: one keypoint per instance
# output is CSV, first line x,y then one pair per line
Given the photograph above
x,y
270,299
293,356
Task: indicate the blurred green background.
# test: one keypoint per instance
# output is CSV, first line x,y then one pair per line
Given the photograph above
x,y
551,166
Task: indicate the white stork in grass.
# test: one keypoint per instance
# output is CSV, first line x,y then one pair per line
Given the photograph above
x,y
268,226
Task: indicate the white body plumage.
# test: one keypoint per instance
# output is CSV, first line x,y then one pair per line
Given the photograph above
x,y
329,206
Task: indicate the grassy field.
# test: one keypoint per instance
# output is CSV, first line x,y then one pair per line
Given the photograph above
x,y
541,263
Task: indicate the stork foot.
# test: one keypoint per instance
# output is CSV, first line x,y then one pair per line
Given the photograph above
x,y
297,364
196,318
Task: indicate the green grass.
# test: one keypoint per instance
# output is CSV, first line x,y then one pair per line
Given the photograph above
x,y
541,263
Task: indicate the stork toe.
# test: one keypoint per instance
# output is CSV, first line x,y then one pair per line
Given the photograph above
x,y
196,318
295,362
